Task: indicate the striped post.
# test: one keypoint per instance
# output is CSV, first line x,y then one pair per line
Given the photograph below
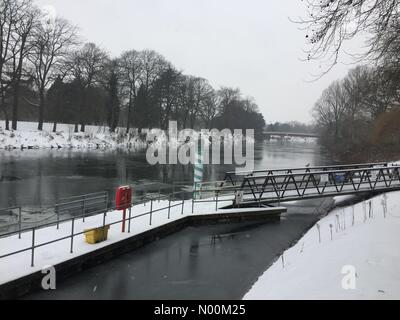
x,y
198,171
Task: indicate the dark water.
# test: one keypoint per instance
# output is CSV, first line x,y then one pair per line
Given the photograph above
x,y
37,178
185,265
189,265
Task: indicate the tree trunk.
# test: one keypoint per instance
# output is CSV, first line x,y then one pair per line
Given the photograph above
x,y
116,120
128,123
16,84
76,128
15,107
41,109
192,120
55,126
81,111
6,119
3,108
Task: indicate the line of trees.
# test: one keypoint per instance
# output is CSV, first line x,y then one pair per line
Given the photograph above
x,y
47,74
354,111
362,111
293,126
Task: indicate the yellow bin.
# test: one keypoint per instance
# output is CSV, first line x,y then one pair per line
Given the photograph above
x,y
96,235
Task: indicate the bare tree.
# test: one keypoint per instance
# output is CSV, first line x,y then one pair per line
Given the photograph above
x,y
28,19
53,41
330,109
250,104
8,13
131,68
330,23
87,67
381,93
210,108
18,18
202,91
152,66
166,94
111,81
227,96
355,86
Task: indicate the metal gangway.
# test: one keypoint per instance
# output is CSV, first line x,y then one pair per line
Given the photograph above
x,y
263,187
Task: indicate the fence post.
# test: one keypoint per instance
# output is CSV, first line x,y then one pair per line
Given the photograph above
x,y
72,235
106,198
183,203
129,222
193,193
33,248
84,208
169,207
151,211
19,222
58,216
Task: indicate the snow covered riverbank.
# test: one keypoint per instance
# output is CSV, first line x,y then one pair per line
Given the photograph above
x,y
310,140
95,137
360,240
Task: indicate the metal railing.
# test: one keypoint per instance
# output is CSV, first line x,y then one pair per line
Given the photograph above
x,y
84,205
237,176
253,187
83,214
302,185
10,211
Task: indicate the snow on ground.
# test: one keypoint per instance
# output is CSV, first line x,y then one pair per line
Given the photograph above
x,y
19,265
294,139
95,137
315,269
339,199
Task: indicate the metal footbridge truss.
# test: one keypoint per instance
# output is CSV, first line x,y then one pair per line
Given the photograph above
x,y
263,187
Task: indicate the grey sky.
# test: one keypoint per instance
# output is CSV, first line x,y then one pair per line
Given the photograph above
x,y
247,44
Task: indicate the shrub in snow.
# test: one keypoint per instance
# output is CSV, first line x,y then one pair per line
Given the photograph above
x,y
337,223
384,204
365,210
371,209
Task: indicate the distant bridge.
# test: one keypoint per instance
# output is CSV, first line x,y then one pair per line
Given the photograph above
x,y
292,134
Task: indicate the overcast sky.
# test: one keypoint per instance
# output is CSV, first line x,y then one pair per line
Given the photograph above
x,y
247,44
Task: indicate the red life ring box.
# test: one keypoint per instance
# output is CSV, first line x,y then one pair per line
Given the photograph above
x,y
123,198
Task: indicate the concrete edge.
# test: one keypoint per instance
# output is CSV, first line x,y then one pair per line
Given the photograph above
x,y
20,287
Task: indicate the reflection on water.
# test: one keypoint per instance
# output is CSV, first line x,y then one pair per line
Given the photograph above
x,y
36,178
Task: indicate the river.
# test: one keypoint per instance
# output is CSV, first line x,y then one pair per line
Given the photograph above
x,y
38,178
185,265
